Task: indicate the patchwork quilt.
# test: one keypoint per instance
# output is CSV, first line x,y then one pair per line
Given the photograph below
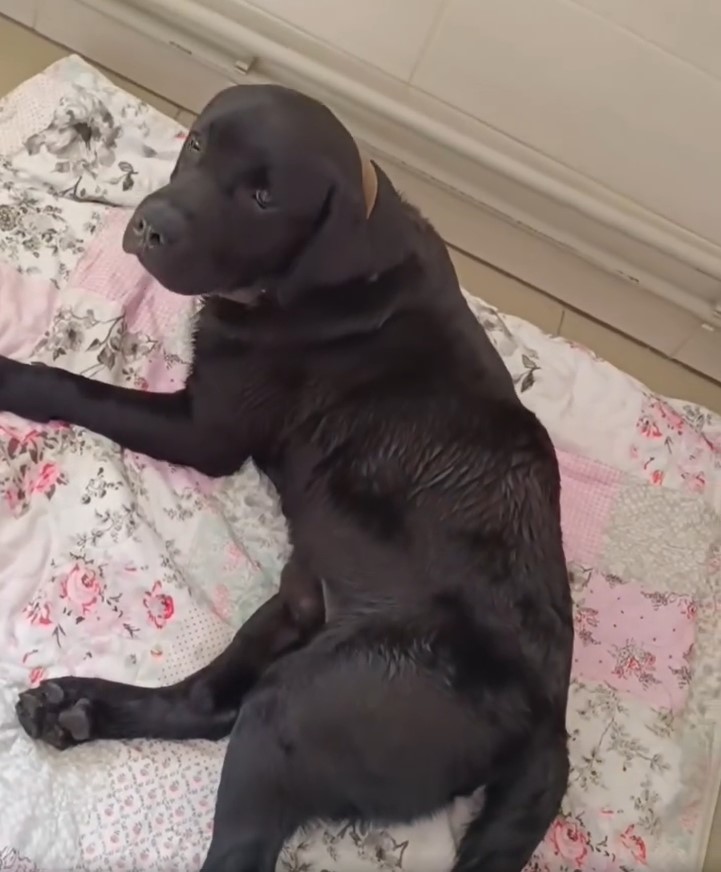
x,y
115,565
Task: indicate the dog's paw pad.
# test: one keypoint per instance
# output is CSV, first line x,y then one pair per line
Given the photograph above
x,y
77,720
53,714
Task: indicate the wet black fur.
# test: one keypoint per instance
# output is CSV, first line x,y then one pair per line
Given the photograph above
x,y
420,644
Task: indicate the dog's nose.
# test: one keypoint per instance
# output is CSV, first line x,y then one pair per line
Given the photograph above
x,y
154,226
146,231
143,235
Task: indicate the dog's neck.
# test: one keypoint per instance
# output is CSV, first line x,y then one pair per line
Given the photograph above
x,y
361,308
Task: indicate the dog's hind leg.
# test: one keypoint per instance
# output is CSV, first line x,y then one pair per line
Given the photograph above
x,y
68,711
342,729
518,811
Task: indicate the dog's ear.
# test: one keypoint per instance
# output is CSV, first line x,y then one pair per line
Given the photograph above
x,y
339,249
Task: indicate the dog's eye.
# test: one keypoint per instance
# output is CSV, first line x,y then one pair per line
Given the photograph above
x,y
194,143
262,198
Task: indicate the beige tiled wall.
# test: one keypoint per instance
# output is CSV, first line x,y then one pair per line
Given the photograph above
x,y
658,372
687,29
24,53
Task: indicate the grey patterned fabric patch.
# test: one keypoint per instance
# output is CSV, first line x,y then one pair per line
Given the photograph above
x,y
673,553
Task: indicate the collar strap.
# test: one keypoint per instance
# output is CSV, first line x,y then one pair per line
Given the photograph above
x,y
370,185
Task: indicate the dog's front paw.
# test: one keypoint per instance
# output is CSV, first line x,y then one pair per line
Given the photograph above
x,y
11,378
7,367
21,391
56,712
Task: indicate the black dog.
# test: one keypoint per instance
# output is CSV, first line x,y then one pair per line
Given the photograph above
x,y
420,644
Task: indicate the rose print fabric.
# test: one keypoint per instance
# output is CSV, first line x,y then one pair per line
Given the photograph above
x,y
115,565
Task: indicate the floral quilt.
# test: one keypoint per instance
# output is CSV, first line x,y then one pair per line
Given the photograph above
x,y
115,565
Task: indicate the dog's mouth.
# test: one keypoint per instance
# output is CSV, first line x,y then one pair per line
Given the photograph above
x,y
251,297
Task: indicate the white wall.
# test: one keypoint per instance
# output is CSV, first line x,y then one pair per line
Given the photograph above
x,y
593,95
625,92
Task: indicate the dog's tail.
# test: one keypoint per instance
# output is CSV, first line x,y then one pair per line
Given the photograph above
x,y
517,812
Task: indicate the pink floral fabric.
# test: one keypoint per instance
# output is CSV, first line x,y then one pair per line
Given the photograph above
x,y
115,565
653,663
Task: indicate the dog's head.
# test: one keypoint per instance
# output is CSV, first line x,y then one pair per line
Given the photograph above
x,y
269,191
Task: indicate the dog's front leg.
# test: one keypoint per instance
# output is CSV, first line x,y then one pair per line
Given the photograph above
x,y
160,425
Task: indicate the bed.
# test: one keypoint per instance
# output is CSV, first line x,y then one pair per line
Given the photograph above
x,y
114,565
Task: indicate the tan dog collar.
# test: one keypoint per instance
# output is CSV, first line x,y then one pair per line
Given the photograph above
x,y
370,184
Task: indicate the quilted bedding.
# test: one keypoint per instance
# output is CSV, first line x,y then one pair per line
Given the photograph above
x,y
114,565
